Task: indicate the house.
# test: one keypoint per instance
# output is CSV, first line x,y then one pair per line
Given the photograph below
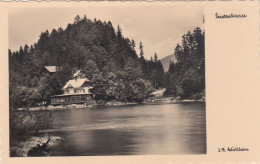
x,y
75,91
50,69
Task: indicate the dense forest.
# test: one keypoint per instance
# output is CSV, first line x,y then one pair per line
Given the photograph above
x,y
106,57
109,60
185,78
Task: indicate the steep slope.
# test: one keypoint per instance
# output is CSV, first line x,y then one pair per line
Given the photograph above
x,y
166,61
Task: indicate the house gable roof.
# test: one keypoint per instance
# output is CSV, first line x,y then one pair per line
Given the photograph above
x,y
51,69
76,73
75,83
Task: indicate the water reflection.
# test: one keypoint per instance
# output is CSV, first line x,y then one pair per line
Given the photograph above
x,y
132,130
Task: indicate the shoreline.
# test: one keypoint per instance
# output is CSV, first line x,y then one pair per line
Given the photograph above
x,y
159,101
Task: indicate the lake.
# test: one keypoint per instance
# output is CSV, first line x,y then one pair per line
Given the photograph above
x,y
131,130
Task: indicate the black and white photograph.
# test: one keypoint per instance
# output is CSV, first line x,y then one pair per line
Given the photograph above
x,y
107,80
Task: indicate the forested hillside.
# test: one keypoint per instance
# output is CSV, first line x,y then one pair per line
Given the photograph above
x,y
105,56
185,78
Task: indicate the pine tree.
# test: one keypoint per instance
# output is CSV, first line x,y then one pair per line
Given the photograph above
x,y
171,67
155,58
141,51
76,19
26,49
60,30
119,33
133,44
85,17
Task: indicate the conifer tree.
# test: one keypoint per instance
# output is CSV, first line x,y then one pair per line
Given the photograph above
x,y
76,19
171,67
155,57
141,51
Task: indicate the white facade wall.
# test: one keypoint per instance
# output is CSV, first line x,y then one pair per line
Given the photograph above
x,y
78,90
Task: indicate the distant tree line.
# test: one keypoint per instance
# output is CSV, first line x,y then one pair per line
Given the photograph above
x,y
104,55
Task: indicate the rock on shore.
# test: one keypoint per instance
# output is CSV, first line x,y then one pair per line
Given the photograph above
x,y
21,149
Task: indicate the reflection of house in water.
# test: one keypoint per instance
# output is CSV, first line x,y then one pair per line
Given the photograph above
x,y
76,91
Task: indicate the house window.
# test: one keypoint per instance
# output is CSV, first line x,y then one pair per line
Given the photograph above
x,y
60,100
83,98
73,99
76,90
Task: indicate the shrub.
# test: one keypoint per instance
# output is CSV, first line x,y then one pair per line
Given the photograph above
x,y
26,123
197,96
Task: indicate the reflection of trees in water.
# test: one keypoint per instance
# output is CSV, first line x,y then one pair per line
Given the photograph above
x,y
96,142
132,130
194,137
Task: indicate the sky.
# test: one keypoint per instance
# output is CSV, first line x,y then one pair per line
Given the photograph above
x,y
158,27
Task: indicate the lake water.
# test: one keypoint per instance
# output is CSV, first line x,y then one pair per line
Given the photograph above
x,y
131,130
